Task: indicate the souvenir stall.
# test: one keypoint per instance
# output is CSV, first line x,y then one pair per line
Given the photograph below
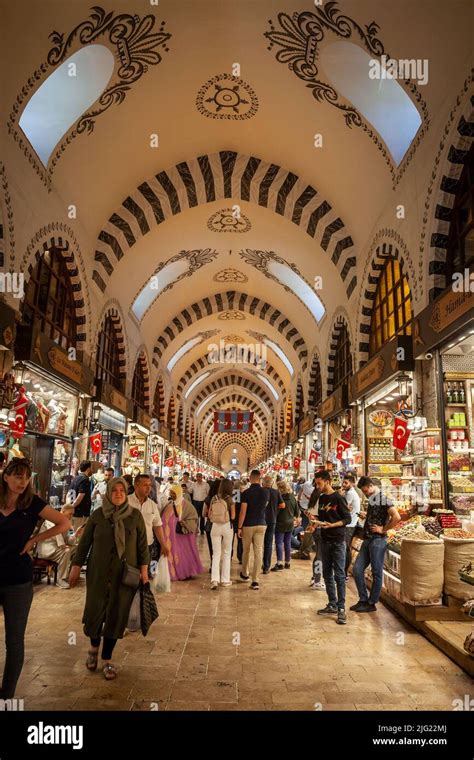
x,y
52,383
107,446
8,391
335,416
137,448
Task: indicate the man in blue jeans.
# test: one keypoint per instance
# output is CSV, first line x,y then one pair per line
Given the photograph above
x,y
333,516
380,517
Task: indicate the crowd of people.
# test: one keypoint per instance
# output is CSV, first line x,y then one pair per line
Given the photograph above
x,y
119,530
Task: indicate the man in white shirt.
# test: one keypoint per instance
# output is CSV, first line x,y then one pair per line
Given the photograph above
x,y
304,495
353,504
199,495
186,481
60,548
140,499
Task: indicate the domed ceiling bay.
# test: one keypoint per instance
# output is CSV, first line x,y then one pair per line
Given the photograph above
x,y
220,178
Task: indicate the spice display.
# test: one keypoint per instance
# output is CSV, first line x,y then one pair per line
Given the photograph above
x,y
458,533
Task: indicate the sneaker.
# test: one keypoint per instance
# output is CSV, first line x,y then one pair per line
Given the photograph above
x,y
356,607
266,571
62,584
226,583
321,586
287,565
254,586
244,577
277,567
328,610
341,617
214,585
367,608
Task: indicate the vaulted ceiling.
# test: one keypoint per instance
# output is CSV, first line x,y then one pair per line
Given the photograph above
x,y
223,189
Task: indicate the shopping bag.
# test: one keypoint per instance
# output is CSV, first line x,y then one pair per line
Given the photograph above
x,y
148,608
161,582
133,623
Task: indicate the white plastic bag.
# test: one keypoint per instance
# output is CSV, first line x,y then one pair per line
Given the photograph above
x,y
133,623
161,583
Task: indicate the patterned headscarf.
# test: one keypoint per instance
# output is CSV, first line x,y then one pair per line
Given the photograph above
x,y
117,514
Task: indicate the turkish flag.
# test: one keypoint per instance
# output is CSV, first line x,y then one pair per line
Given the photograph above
x,y
313,456
155,458
341,447
285,464
169,462
134,452
401,433
296,463
17,428
277,467
96,443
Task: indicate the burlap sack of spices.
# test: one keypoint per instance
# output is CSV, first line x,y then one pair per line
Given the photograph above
x,y
458,552
421,571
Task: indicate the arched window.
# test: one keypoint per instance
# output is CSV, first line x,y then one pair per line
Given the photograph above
x,y
139,384
343,358
49,299
107,356
460,254
392,310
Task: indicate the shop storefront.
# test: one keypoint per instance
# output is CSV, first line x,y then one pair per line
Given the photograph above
x,y
8,391
337,446
53,383
444,343
115,411
137,450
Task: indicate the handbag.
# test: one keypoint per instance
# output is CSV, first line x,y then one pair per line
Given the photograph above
x,y
130,575
148,609
179,527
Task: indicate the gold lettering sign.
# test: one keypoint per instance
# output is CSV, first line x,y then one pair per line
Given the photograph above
x,y
119,401
328,406
60,362
369,374
449,308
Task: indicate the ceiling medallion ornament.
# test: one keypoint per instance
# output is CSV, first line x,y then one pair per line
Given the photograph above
x,y
230,275
227,97
233,339
298,37
134,42
231,314
225,220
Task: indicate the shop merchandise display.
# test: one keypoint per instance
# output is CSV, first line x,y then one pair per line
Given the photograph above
x,y
458,552
421,568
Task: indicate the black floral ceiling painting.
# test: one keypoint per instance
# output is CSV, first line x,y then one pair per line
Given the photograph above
x,y
134,41
298,38
227,97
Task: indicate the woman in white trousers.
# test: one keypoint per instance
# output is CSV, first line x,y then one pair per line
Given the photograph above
x,y
222,536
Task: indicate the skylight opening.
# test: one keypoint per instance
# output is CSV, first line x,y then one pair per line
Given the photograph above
x,y
156,284
383,102
299,287
65,95
268,384
203,404
195,383
280,355
181,351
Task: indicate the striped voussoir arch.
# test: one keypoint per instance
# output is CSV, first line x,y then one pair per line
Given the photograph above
x,y
231,300
299,410
159,401
2,241
383,252
202,364
229,380
143,362
116,320
171,416
315,385
219,441
62,245
456,158
235,400
216,176
289,414
338,325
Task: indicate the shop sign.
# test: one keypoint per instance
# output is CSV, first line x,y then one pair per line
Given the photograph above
x,y
7,326
142,418
449,313
307,423
294,434
108,395
38,349
334,404
395,356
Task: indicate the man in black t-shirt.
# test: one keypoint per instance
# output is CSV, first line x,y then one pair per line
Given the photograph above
x,y
333,516
252,527
81,486
381,515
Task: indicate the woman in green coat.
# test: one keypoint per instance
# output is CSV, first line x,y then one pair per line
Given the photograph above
x,y
113,533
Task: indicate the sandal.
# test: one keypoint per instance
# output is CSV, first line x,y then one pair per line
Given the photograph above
x,y
109,672
92,657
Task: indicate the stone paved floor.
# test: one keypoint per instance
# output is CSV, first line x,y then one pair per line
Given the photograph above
x,y
287,658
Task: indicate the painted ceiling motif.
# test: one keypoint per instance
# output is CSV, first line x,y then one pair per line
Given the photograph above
x,y
230,275
229,220
227,97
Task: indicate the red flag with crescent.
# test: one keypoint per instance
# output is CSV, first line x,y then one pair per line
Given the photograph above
x,y
296,463
313,456
17,428
341,446
401,433
134,452
96,443
155,458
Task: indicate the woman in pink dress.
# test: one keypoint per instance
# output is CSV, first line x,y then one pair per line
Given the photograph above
x,y
183,559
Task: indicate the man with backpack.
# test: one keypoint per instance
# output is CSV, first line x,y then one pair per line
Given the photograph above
x,y
221,513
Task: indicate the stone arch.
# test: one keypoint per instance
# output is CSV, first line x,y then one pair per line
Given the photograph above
x,y
142,357
376,263
171,414
299,403
113,310
315,383
339,322
229,380
231,301
226,174
289,414
202,364
159,401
